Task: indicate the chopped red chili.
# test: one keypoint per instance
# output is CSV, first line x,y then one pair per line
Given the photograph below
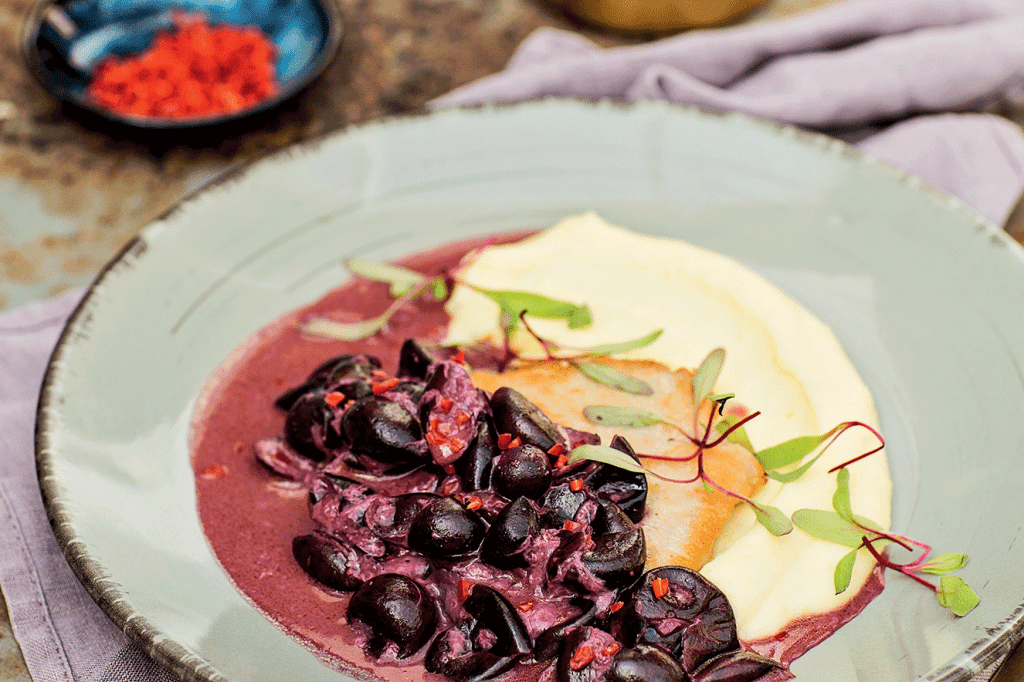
x,y
526,606
211,471
460,357
385,386
556,450
611,649
582,658
193,70
445,404
571,526
616,606
462,419
379,374
576,485
659,586
334,398
561,461
474,502
504,440
465,588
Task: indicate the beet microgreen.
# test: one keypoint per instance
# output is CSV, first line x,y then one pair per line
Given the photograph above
x,y
515,304
843,527
613,378
401,280
706,374
605,455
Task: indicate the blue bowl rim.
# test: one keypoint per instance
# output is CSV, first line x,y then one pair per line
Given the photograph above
x,y
329,10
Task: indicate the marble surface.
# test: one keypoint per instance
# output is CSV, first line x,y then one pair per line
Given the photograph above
x,y
71,194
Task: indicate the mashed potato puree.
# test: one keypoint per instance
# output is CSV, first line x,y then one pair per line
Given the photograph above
x,y
780,359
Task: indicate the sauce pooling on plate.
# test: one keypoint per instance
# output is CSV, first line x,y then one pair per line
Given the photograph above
x,y
261,529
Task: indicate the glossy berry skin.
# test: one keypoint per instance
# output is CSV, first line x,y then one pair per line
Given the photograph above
x,y
383,430
395,609
444,529
515,414
645,663
522,471
512,528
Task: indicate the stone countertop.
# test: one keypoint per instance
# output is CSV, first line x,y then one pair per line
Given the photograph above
x,y
72,194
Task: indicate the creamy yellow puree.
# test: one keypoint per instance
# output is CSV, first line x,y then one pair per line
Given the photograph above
x,y
780,359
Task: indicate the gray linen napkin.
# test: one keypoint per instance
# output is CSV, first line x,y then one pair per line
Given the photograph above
x,y
861,63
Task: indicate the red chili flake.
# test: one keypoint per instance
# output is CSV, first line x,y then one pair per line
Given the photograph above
x,y
465,588
561,461
434,438
515,442
349,404
462,418
582,658
379,374
474,502
504,439
446,404
616,606
588,542
571,526
611,649
333,398
211,471
576,485
460,357
385,386
556,450
659,586
526,606
192,70
456,443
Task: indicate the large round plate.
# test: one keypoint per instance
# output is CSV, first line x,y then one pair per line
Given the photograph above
x,y
923,294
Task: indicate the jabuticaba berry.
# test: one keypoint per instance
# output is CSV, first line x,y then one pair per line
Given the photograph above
x,y
522,471
516,415
324,560
516,523
383,430
645,663
396,609
692,619
444,529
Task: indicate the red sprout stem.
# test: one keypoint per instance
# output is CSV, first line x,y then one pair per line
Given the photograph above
x,y
881,559
729,431
848,425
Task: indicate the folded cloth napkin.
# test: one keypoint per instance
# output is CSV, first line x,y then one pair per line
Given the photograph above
x,y
861,63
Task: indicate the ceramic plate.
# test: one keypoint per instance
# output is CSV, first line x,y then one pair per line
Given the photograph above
x,y
924,295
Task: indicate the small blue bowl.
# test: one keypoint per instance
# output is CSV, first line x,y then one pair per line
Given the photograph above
x,y
64,39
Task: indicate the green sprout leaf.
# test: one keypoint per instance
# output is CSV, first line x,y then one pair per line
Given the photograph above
x,y
613,415
844,571
790,476
624,346
363,329
944,563
790,451
605,455
841,498
706,375
739,436
772,518
613,378
402,280
830,527
516,303
956,595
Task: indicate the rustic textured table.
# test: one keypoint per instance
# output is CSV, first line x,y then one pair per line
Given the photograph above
x,y
71,195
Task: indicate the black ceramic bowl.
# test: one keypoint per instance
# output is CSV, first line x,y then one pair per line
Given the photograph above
x,y
307,34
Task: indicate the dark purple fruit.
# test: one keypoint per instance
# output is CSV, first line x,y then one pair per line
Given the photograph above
x,y
324,560
515,414
644,663
444,529
506,537
617,558
414,360
549,643
610,519
523,470
625,488
494,613
352,368
560,504
308,415
383,430
451,654
474,467
395,609
735,666
692,620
